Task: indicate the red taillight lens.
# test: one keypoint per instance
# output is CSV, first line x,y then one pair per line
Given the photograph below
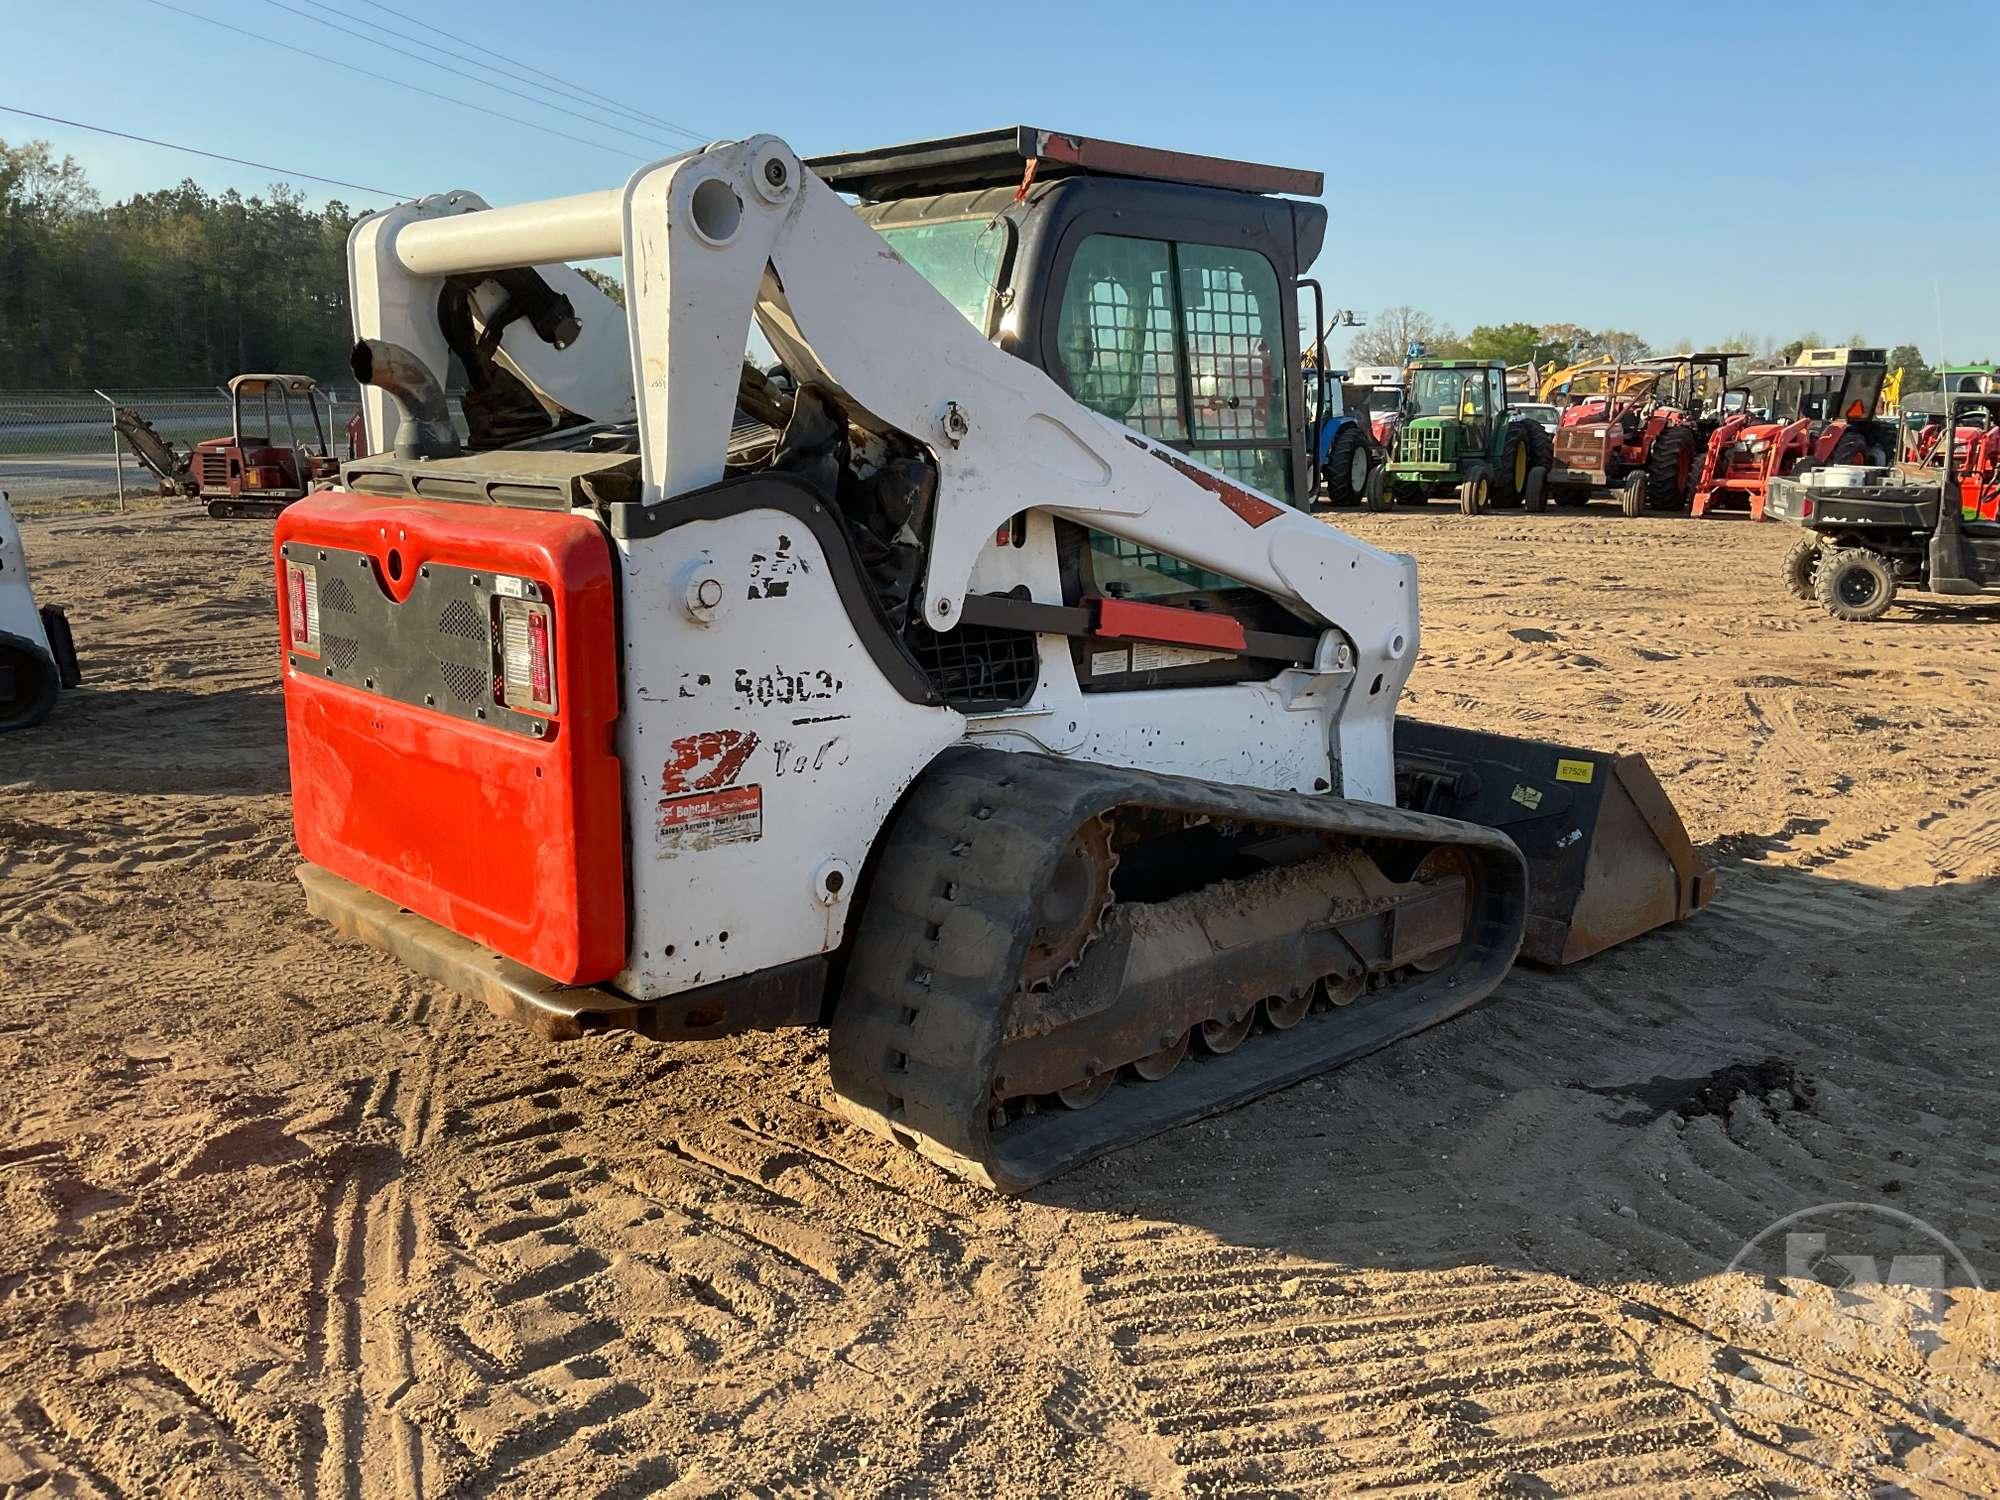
x,y
1805,510
538,658
302,607
527,655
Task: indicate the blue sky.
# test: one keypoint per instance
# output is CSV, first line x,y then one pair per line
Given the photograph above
x,y
1770,167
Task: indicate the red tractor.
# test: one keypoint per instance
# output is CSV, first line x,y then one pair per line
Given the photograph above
x,y
1642,435
1822,411
261,467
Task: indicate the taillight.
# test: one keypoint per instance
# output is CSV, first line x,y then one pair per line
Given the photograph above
x,y
302,607
538,658
527,655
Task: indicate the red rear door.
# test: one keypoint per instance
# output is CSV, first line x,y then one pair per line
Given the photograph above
x,y
451,688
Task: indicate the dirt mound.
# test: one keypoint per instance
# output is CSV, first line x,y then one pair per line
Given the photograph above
x,y
1772,1081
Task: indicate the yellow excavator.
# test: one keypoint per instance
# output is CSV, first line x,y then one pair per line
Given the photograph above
x,y
1594,376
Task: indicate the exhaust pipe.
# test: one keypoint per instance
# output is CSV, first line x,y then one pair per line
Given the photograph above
x,y
425,430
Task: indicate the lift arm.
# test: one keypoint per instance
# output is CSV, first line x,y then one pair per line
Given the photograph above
x,y
715,239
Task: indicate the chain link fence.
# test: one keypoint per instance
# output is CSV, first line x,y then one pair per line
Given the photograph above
x,y
60,444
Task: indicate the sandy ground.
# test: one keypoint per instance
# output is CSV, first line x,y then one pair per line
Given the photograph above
x,y
279,1218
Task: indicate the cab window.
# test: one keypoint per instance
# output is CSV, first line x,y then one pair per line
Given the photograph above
x,y
1235,356
1185,343
960,257
1097,565
1115,334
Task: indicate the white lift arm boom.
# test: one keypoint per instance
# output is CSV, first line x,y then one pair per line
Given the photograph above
x,y
714,238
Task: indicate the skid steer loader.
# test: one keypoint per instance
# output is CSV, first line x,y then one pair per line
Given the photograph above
x,y
901,690
37,655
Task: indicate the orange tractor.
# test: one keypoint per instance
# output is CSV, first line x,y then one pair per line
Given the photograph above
x,y
1920,431
270,458
1822,411
1640,434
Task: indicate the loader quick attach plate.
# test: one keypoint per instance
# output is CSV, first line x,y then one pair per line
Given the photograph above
x,y
1608,857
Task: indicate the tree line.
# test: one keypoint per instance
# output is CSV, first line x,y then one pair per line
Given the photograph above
x,y
176,287
1387,340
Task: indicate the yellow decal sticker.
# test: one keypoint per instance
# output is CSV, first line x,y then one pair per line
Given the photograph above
x,y
1575,770
1529,797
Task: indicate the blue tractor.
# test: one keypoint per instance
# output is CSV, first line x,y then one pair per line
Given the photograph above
x,y
1346,459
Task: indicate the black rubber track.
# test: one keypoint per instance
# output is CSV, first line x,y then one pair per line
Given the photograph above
x,y
917,1032
246,510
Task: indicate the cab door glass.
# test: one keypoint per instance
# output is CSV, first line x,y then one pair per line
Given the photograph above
x,y
1479,405
1236,367
1115,334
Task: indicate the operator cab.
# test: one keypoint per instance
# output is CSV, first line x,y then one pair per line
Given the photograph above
x,y
1325,393
1696,383
1849,381
1158,288
1827,385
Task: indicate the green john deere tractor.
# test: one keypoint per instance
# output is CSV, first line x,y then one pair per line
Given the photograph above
x,y
1458,437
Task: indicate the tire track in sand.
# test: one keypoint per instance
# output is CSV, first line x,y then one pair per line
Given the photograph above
x,y
1271,1374
359,1348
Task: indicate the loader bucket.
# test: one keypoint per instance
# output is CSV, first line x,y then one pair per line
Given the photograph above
x,y
1607,855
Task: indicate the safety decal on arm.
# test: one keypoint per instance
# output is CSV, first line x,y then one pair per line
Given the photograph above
x,y
1253,510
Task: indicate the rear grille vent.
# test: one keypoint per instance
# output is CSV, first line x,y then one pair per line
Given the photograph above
x,y
463,621
334,597
214,468
467,683
978,667
341,650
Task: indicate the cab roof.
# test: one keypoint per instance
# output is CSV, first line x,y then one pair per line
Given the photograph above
x,y
1001,158
1840,358
251,385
